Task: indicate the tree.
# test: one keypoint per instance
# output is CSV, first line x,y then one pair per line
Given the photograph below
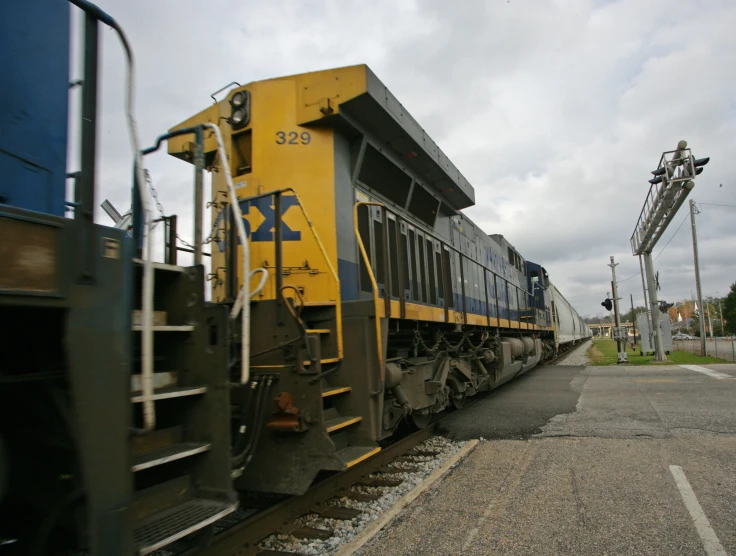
x,y
627,316
709,313
729,310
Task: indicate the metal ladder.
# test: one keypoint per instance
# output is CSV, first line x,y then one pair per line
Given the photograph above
x,y
181,468
181,453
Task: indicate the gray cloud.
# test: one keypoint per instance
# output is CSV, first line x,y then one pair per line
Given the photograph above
x,y
555,114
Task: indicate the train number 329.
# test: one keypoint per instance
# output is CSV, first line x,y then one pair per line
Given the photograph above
x,y
293,138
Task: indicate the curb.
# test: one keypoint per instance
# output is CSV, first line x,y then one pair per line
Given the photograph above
x,y
379,523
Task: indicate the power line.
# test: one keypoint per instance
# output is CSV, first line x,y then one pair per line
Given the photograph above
x,y
673,236
629,278
717,205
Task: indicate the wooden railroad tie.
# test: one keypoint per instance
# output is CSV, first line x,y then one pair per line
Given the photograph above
x,y
424,453
407,469
380,482
362,496
311,533
336,512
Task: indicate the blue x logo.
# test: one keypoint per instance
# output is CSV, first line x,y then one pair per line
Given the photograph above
x,y
264,232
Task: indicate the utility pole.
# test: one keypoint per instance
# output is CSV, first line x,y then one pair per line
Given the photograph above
x,y
720,310
633,316
654,309
617,335
701,316
646,304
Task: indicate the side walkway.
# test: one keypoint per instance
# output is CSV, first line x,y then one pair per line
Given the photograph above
x,y
594,480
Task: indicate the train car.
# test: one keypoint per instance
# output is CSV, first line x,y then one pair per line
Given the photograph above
x,y
384,303
85,467
545,297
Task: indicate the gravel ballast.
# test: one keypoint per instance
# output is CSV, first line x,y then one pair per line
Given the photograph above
x,y
345,530
578,356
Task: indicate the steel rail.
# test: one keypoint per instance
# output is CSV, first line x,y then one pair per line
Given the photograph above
x,y
242,539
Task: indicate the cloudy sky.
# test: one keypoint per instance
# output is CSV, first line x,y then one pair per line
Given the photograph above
x,y
555,111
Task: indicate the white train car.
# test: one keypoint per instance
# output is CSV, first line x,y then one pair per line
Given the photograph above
x,y
569,326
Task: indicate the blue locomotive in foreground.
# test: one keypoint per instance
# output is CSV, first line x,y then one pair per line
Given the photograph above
x,y
134,411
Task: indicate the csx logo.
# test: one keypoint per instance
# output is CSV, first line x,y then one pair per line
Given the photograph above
x,y
264,232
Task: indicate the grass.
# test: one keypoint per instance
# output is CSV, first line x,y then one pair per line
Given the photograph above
x,y
603,352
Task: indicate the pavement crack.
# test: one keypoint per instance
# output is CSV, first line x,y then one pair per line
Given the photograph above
x,y
578,500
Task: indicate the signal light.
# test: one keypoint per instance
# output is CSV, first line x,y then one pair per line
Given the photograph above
x,y
238,99
607,304
656,180
701,161
237,118
698,164
659,171
240,106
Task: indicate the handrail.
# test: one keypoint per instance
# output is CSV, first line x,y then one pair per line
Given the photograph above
x,y
374,284
331,268
242,304
149,415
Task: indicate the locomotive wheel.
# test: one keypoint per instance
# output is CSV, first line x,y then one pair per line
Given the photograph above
x,y
420,420
458,400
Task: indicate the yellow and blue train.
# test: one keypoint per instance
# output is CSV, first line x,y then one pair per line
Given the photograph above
x,y
405,306
347,295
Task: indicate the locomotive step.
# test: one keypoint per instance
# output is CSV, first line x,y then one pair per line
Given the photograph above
x,y
162,266
340,423
166,393
161,379
323,361
166,328
167,454
163,528
317,330
159,318
334,390
353,455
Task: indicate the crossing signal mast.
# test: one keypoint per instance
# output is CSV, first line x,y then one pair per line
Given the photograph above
x,y
672,182
618,332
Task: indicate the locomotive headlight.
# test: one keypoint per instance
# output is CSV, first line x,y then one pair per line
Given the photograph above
x,y
238,117
238,99
240,109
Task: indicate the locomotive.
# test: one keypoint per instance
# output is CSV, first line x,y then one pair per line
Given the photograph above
x,y
347,295
388,306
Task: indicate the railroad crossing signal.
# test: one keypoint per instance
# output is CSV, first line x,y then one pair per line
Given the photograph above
x,y
687,171
607,304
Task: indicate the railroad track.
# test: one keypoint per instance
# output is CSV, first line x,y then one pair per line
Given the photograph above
x,y
240,536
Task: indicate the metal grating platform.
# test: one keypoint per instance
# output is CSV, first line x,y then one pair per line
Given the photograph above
x,y
166,527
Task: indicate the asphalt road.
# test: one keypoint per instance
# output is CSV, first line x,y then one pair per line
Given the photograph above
x,y
593,460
